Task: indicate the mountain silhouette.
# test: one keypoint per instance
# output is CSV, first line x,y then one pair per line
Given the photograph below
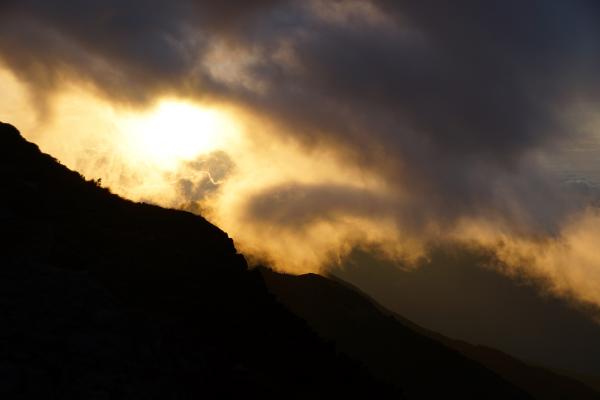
x,y
105,298
399,351
455,292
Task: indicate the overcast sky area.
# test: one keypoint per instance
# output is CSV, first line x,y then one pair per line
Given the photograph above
x,y
387,125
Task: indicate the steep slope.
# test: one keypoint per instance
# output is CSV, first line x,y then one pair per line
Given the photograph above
x,y
101,297
399,351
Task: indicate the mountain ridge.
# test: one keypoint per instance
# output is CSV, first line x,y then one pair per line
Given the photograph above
x,y
103,297
362,320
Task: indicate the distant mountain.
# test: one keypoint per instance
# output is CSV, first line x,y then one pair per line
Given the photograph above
x,y
399,351
454,293
103,298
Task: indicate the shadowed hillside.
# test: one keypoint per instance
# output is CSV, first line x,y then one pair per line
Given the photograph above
x,y
399,351
104,298
456,293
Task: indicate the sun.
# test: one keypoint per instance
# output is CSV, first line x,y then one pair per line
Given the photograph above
x,y
176,131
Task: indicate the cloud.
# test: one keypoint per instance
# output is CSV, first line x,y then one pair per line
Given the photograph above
x,y
296,205
198,179
130,51
456,109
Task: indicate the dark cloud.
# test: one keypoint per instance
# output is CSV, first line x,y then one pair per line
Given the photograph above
x,y
449,103
299,205
130,50
445,100
200,178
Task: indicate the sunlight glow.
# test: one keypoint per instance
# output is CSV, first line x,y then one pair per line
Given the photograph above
x,y
176,131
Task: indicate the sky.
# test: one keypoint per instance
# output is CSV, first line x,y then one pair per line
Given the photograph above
x,y
307,129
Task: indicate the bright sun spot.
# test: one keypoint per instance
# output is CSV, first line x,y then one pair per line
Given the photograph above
x,y
176,131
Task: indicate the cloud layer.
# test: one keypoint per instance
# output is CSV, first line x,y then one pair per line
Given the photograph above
x,y
451,112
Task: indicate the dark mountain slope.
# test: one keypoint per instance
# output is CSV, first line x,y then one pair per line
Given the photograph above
x,y
104,298
399,351
456,293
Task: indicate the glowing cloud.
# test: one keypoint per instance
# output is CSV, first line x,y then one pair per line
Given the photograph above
x,y
175,131
362,123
